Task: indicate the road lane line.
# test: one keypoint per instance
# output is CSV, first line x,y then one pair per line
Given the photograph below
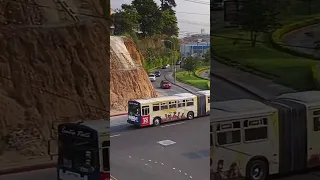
x,y
115,135
113,178
172,124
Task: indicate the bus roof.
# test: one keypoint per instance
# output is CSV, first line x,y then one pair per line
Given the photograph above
x,y
101,126
205,92
303,97
235,109
166,98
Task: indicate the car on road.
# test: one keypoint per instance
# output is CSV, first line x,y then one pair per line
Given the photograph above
x,y
165,84
152,77
166,66
157,73
178,63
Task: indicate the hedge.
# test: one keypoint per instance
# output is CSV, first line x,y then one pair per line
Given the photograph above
x,y
196,73
276,36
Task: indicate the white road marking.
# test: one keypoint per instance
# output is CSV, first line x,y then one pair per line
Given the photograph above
x,y
115,135
185,174
129,156
166,142
191,177
174,124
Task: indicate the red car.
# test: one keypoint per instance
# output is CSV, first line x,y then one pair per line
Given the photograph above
x,y
165,84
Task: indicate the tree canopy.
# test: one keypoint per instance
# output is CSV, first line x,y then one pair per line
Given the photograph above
x,y
148,17
258,16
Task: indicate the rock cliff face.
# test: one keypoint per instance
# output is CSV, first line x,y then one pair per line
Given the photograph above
x,y
128,79
49,73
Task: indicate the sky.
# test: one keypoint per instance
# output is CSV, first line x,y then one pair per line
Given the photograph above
x,y
192,15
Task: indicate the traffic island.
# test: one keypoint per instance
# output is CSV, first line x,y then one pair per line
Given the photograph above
x,y
264,60
193,78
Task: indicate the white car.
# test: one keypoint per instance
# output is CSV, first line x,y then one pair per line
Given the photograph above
x,y
152,77
166,66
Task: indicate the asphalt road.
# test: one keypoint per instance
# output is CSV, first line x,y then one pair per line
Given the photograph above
x,y
305,39
167,92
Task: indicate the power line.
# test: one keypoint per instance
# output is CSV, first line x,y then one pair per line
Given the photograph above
x,y
199,2
193,13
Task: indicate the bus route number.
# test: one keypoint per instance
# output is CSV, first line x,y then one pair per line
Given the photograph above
x,y
145,120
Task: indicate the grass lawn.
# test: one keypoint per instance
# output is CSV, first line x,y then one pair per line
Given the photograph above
x,y
191,79
283,68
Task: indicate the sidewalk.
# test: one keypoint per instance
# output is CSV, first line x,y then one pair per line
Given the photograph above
x,y
191,89
258,86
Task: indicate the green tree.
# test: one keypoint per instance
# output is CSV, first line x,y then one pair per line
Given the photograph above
x,y
170,23
207,57
150,17
258,16
190,64
167,4
125,20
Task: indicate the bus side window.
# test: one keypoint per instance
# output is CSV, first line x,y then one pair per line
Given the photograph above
x,y
164,106
181,103
145,110
155,107
106,155
232,136
190,102
208,99
316,120
255,130
172,104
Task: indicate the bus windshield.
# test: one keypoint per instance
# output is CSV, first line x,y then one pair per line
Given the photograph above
x,y
134,109
78,154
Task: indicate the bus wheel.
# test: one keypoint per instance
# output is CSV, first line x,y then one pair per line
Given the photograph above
x,y
257,170
156,121
190,115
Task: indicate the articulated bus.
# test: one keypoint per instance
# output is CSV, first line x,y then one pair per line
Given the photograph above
x,y
155,111
252,140
83,151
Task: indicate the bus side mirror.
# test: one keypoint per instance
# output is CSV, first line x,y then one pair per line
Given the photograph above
x,y
53,147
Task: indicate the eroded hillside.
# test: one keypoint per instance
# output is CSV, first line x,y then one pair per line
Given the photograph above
x,y
128,79
53,69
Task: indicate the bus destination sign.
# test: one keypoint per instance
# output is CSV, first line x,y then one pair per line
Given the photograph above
x,y
73,132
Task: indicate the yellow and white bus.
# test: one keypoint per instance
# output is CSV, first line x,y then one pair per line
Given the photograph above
x,y
155,111
83,150
252,140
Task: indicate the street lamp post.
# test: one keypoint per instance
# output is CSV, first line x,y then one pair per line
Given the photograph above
x,y
172,59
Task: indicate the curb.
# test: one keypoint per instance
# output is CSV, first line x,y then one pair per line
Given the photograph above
x,y
240,86
121,114
27,168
